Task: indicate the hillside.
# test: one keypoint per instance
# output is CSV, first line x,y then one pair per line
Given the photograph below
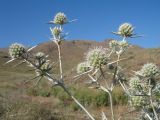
x,y
47,103
73,53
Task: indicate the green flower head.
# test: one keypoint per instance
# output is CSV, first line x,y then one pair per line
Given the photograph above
x,y
40,55
46,67
60,18
135,83
97,57
83,67
56,32
123,44
126,30
118,46
138,101
16,50
113,44
149,70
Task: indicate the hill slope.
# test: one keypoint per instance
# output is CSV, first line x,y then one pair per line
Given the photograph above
x,y
73,53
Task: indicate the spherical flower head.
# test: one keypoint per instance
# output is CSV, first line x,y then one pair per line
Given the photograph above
x,y
123,44
135,83
40,59
138,101
126,30
97,57
56,31
46,67
149,70
60,19
113,44
39,55
83,67
16,50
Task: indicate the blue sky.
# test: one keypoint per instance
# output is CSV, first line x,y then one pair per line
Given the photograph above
x,y
24,21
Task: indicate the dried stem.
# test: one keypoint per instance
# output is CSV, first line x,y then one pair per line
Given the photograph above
x,y
105,90
151,101
111,100
75,100
60,62
63,86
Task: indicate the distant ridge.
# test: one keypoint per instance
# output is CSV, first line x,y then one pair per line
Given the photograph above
x,y
73,52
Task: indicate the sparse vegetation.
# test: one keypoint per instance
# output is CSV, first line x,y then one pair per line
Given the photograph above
x,y
110,84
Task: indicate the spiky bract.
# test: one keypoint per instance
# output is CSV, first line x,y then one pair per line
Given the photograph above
x,y
83,67
118,46
39,55
44,68
113,44
56,32
123,44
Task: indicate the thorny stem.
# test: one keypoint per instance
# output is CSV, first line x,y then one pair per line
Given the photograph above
x,y
124,38
111,100
59,56
111,103
148,115
151,101
118,57
65,89
75,100
124,88
106,90
78,103
60,62
155,113
60,83
82,74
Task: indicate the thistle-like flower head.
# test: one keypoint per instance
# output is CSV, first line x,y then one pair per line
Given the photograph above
x,y
60,18
40,55
56,32
149,70
97,57
126,30
16,50
123,44
118,46
113,44
83,67
40,59
138,101
44,68
135,83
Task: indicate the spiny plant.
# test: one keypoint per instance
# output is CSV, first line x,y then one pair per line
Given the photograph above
x,y
143,87
99,65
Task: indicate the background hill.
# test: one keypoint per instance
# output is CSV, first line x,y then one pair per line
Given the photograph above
x,y
73,53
